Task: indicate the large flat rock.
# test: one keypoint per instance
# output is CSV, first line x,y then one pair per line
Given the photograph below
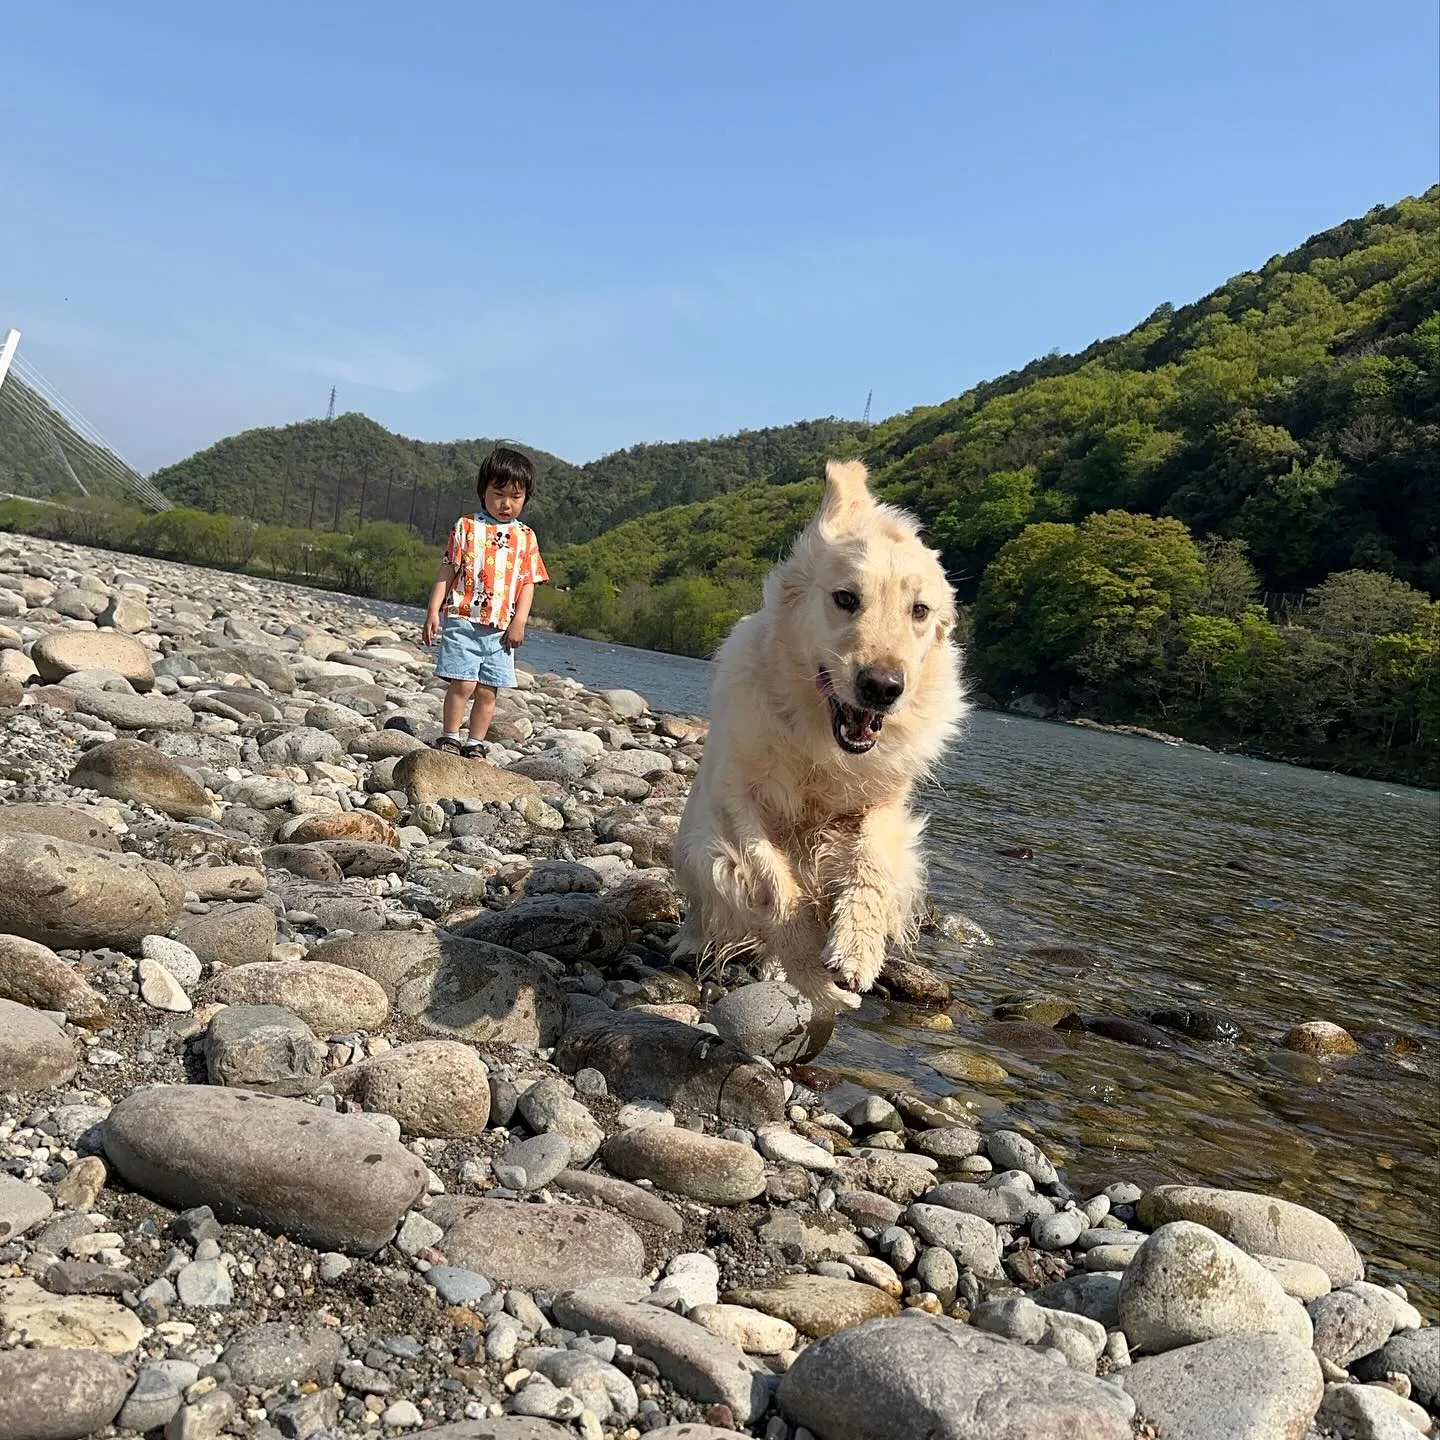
x,y
330,1181
649,1057
546,1247
71,896
926,1375
1244,1387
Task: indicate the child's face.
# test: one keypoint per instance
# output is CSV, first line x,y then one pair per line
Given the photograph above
x,y
505,502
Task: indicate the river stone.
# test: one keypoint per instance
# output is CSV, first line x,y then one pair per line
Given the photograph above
x,y
70,896
650,1057
701,1365
257,661
949,1144
78,824
926,1375
35,1053
896,1177
160,990
1188,1284
226,882
999,1204
32,1316
715,1172
426,775
180,960
330,1181
58,1394
545,1247
359,825
1349,1325
330,999
263,1047
751,1330
975,1243
1260,1224
268,1356
1415,1353
302,746
464,989
1299,1279
620,1195
549,1109
230,934
815,1304
22,1208
504,1427
1321,1038
310,862
1370,1412
572,928
959,1064
135,712
62,652
133,770
773,1020
436,1088
1244,1387
32,974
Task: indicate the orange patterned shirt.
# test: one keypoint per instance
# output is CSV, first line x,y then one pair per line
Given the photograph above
x,y
490,562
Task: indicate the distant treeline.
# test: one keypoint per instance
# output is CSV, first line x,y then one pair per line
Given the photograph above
x,y
380,559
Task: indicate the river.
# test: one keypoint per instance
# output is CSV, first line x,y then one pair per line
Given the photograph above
x,y
1167,876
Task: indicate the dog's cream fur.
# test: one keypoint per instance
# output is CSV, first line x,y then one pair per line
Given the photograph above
x,y
789,843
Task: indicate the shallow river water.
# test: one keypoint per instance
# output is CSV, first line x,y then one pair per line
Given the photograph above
x,y
1164,876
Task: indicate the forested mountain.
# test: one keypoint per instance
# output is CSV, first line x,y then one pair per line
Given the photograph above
x,y
1296,408
337,475
1225,521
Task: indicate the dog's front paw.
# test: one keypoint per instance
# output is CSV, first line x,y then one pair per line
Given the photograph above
x,y
854,960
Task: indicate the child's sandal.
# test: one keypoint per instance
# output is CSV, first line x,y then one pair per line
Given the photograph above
x,y
448,745
475,750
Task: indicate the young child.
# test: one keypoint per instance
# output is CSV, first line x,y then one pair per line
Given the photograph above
x,y
486,583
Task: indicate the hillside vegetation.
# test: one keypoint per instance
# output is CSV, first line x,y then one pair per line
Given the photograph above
x,y
340,474
1225,522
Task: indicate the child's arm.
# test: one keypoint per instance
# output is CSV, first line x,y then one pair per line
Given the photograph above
x,y
514,635
438,591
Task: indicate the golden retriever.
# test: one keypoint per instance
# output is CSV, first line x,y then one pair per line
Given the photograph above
x,y
827,704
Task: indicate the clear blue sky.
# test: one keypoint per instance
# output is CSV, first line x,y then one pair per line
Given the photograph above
x,y
584,225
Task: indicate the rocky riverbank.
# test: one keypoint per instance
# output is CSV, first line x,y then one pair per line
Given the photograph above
x,y
348,1088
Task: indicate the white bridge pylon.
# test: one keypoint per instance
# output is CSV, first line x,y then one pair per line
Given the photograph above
x,y
36,402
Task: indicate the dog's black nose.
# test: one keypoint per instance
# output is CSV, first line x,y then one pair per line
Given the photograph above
x,y
878,689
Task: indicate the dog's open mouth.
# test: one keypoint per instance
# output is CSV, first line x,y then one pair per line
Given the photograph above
x,y
855,730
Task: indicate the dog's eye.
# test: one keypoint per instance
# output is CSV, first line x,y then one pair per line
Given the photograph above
x,y
847,600
919,611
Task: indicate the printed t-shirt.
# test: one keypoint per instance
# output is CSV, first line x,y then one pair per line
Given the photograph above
x,y
492,561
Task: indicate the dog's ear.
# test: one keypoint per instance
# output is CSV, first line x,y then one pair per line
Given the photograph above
x,y
847,496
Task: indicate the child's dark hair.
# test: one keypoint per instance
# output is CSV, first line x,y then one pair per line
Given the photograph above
x,y
505,466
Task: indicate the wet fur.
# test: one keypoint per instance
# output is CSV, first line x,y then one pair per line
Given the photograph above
x,y
789,844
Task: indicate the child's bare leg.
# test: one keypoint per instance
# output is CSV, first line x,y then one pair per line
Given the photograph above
x,y
453,712
482,712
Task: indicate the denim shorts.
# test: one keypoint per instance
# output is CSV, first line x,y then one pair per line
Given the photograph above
x,y
473,652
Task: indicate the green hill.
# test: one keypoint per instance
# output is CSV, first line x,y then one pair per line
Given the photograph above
x,y
338,475
1225,522
1296,408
